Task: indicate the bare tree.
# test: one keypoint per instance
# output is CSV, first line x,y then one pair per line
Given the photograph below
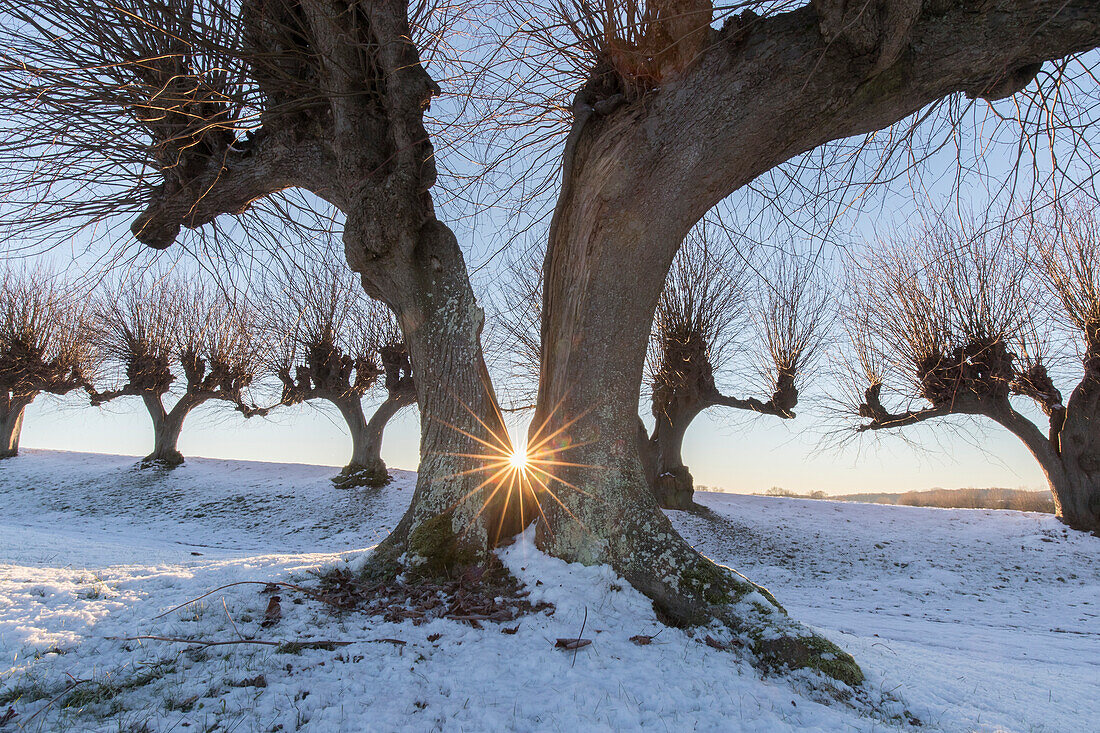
x,y
951,316
154,328
711,292
337,105
44,345
334,343
193,109
756,93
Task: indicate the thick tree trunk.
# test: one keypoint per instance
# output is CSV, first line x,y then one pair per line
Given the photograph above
x,y
11,424
679,152
598,308
366,467
672,482
167,426
1077,498
458,511
1070,460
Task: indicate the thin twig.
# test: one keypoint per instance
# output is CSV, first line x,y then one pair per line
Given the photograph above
x,y
230,585
314,644
579,636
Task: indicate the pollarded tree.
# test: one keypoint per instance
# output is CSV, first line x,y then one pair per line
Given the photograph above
x,y
947,320
710,292
334,344
44,345
158,333
674,115
657,140
191,110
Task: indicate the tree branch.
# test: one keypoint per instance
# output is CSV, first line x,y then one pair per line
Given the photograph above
x,y
230,183
883,419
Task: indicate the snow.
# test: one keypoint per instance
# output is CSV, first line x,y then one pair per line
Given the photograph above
x,y
973,620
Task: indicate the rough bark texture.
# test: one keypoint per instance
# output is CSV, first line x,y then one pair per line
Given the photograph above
x,y
11,423
767,90
348,95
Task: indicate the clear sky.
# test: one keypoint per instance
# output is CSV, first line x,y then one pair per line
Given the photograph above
x,y
733,452
747,454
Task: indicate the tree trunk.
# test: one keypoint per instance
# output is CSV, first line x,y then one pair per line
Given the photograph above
x,y
1077,498
1070,459
166,430
597,312
672,484
366,467
458,512
11,424
363,469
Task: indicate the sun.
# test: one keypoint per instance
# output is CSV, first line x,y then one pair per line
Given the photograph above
x,y
521,472
517,459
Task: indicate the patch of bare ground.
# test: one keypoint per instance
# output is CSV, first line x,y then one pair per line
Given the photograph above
x,y
478,594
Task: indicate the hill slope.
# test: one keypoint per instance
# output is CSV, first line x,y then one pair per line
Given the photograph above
x,y
977,620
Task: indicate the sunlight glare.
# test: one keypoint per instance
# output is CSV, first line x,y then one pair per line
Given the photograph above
x,y
518,459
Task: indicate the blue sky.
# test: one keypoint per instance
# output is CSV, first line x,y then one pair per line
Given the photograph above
x,y
733,452
745,455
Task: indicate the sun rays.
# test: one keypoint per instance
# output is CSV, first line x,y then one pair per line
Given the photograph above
x,y
520,481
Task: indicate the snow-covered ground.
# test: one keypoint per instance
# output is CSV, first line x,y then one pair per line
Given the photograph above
x,y
975,620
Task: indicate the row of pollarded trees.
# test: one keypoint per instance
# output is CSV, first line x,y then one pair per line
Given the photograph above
x,y
199,109
177,345
963,318
960,316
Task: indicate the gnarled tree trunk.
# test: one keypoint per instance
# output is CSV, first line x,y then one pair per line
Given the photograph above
x,y
672,482
598,309
678,152
167,426
366,467
458,512
1069,457
11,424
1077,495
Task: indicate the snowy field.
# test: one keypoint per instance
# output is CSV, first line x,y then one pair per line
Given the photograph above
x,y
973,620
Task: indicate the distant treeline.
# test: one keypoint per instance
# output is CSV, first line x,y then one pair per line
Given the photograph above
x,y
993,498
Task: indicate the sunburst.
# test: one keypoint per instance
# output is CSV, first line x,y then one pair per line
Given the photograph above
x,y
522,475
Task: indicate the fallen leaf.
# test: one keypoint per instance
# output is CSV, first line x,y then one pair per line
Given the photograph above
x,y
257,681
642,639
714,643
571,643
512,630
273,613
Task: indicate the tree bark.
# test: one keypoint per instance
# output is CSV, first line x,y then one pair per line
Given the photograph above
x,y
167,426
458,513
690,145
672,483
1070,461
597,312
361,469
11,425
